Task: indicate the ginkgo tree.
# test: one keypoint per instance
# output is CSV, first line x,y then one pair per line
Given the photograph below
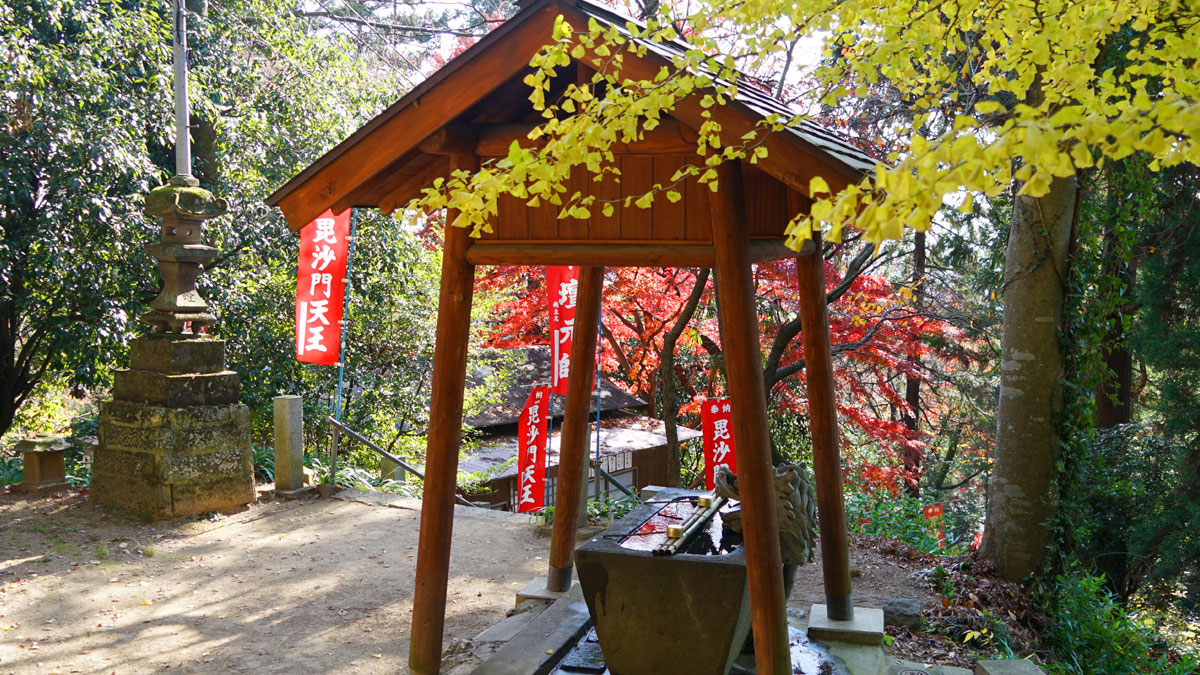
x,y
1032,106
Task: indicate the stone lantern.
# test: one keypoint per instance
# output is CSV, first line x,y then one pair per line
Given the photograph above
x,y
174,441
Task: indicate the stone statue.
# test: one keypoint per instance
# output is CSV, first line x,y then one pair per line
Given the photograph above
x,y
795,507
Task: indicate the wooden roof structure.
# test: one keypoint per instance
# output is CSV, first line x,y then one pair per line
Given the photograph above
x,y
471,111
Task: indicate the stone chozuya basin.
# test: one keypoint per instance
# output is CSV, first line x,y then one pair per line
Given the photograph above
x,y
682,613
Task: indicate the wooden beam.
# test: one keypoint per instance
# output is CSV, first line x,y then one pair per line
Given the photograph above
x,y
572,458
669,137
450,140
606,255
822,410
752,438
424,171
441,456
768,250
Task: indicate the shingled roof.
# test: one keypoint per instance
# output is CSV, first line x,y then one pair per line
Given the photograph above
x,y
384,163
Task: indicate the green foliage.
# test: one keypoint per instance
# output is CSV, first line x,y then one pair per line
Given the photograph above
x,y
263,458
1089,632
1119,496
86,105
880,513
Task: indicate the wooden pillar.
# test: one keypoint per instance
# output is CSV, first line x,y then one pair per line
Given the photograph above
x,y
822,410
441,455
573,442
752,440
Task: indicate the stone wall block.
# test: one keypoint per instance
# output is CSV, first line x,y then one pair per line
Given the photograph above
x,y
132,493
169,353
176,391
125,463
183,469
223,494
132,414
147,438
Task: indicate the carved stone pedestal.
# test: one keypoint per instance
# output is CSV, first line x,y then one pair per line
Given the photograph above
x,y
175,442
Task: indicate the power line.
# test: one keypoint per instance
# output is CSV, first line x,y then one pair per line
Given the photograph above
x,y
358,38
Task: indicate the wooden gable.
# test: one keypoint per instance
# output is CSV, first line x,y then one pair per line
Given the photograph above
x,y
478,104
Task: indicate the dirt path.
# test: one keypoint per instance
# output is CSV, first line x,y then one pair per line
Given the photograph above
x,y
320,586
879,576
311,586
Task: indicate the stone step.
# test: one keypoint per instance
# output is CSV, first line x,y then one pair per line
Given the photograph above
x,y
544,641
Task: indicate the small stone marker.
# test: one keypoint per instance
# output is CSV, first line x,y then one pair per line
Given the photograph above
x,y
901,612
289,443
43,465
1007,667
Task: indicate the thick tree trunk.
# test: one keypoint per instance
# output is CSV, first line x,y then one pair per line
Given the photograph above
x,y
666,377
1114,397
912,385
1020,502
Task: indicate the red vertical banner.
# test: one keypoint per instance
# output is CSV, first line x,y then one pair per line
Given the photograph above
x,y
715,419
562,289
933,514
321,288
531,451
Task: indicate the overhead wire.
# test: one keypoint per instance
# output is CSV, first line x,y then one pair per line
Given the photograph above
x,y
358,38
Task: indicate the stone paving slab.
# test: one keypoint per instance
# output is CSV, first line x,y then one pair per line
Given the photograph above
x,y
1007,667
538,648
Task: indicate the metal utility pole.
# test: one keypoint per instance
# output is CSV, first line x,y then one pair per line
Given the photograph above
x,y
183,146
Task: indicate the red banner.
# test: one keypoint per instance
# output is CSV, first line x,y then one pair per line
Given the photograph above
x,y
715,420
531,451
321,288
933,514
562,289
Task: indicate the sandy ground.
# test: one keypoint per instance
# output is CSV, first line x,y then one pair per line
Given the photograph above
x,y
310,586
879,576
313,586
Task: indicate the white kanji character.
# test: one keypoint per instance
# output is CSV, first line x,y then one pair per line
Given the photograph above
x,y
527,485
717,469
725,408
715,409
535,412
319,279
568,292
720,429
314,339
722,448
566,332
322,257
534,429
325,231
564,366
317,310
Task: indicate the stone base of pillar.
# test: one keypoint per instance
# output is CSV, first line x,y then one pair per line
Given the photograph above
x,y
179,449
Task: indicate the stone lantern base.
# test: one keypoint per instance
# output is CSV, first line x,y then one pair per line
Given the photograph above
x,y
174,442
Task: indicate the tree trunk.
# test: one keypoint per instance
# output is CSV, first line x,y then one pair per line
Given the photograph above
x,y
912,384
1020,503
1114,396
666,377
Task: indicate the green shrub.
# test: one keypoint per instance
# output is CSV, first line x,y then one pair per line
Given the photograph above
x,y
879,513
1089,632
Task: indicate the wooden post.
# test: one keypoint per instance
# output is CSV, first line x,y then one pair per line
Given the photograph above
x,y
827,462
441,456
752,440
573,441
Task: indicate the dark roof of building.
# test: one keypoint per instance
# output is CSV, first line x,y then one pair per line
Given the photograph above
x,y
626,433
529,367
